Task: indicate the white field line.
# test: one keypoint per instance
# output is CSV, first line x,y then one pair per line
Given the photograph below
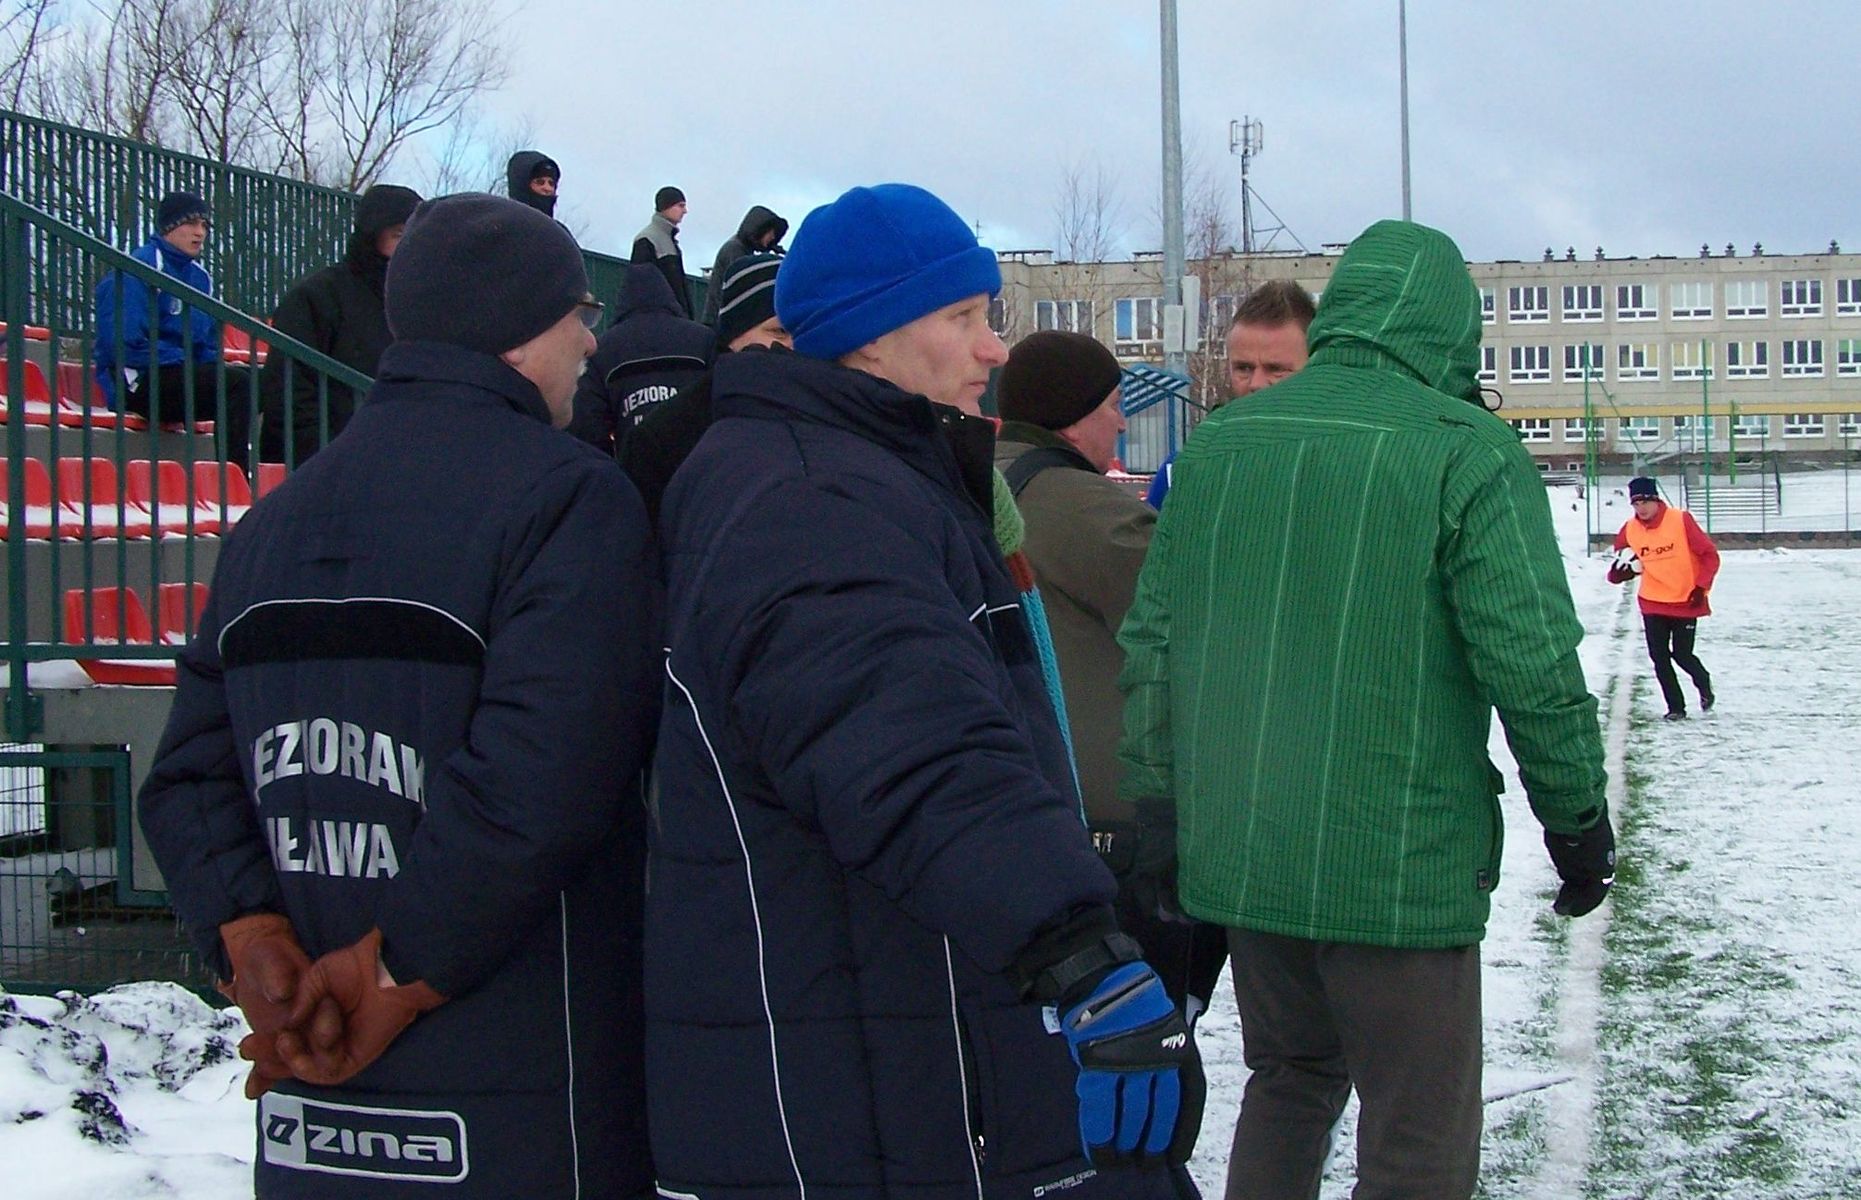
x,y
1570,1111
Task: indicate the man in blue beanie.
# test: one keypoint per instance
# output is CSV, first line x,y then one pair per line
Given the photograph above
x,y
397,801
877,924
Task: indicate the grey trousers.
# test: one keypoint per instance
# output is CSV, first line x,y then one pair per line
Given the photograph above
x,y
1402,1026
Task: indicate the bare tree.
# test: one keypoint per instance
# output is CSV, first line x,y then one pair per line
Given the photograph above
x,y
221,72
1210,232
26,28
474,154
1088,223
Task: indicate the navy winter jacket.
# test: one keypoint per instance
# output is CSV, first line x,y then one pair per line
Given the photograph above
x,y
419,699
863,814
645,357
171,344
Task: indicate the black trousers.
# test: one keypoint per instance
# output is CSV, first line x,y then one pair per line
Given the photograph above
x,y
164,398
1401,1026
1670,641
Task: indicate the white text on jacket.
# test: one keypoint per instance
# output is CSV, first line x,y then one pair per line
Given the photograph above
x,y
321,746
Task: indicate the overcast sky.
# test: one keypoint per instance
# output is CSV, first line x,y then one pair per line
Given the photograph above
x,y
1646,128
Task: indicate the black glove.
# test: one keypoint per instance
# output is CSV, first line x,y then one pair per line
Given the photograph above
x,y
1586,863
1696,597
1153,871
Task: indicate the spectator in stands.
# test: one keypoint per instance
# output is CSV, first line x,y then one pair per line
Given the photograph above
x,y
867,844
397,800
760,232
1677,563
154,379
1086,538
1354,570
658,243
651,350
338,310
533,178
652,451
1266,343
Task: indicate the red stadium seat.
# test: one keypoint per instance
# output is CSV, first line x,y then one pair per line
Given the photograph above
x,y
91,500
177,611
270,475
37,400
162,491
238,346
224,485
108,615
37,519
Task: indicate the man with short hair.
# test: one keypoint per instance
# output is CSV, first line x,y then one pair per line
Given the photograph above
x,y
397,800
340,310
658,243
1059,399
176,378
869,872
1677,563
1266,343
1357,569
533,178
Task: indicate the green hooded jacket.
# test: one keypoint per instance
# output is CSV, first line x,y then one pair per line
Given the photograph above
x,y
1355,568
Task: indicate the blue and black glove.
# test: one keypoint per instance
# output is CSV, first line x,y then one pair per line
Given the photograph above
x,y
1140,1077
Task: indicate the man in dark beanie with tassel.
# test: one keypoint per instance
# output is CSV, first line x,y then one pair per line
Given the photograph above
x,y
877,924
341,311
397,801
1086,539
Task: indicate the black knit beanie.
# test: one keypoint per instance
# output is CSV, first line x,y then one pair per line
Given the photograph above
x,y
1643,488
482,272
178,208
1054,379
745,295
666,197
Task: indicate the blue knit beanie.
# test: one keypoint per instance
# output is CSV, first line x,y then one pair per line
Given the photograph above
x,y
873,260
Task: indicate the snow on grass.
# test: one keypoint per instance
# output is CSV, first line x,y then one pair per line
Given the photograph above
x,y
1708,1044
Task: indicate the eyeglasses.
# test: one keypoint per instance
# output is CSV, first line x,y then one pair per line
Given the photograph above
x,y
590,311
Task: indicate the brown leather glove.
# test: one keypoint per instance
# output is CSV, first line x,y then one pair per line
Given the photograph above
x,y
268,964
344,1019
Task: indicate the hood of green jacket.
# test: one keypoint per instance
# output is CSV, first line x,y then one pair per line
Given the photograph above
x,y
1401,299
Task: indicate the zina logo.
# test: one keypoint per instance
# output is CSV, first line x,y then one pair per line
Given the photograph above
x,y
345,1139
1176,1041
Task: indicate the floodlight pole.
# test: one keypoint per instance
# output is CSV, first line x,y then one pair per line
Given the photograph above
x,y
1402,44
1176,360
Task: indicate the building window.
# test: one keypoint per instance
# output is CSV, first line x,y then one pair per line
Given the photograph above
x,y
1575,431
1751,425
1692,360
1531,364
1848,356
1747,360
1533,429
1803,357
1799,298
1139,324
1489,304
1803,425
1635,302
1848,425
1219,318
1072,316
998,316
1747,298
1848,297
1640,429
1691,301
1528,304
1489,364
1583,360
1583,302
1637,361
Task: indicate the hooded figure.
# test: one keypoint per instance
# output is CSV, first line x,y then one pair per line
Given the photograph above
x,y
760,233
340,311
525,171
1355,569
649,352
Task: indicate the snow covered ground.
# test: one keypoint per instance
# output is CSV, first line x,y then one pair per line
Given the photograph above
x,y
1698,1037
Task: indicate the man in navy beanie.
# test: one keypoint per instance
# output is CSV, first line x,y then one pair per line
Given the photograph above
x,y
397,801
877,924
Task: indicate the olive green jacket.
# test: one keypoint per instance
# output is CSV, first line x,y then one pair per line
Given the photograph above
x,y
1355,568
1086,538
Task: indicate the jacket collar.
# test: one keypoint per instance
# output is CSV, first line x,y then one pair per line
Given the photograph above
x,y
408,363
172,260
945,445
1029,434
